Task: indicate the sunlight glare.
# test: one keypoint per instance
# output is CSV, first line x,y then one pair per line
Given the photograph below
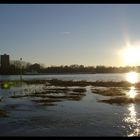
x,y
132,121
132,93
130,54
132,77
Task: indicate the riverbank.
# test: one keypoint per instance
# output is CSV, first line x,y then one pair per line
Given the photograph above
x,y
56,82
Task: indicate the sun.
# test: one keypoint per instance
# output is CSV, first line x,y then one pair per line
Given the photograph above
x,y
131,55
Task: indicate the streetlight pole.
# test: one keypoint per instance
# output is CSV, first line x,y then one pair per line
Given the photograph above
x,y
20,70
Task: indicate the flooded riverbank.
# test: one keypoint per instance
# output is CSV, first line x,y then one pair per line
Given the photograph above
x,y
37,108
48,110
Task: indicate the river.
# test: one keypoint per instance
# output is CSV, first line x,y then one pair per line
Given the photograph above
x,y
77,77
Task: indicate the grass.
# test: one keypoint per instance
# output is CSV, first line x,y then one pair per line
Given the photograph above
x,y
79,90
54,96
37,95
111,84
56,90
51,95
56,82
137,85
76,93
108,92
120,100
35,81
83,83
59,88
47,102
3,113
13,106
1,98
18,96
74,98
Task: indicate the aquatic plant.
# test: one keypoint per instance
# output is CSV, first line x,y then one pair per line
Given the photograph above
x,y
83,83
108,91
79,90
3,113
6,85
120,100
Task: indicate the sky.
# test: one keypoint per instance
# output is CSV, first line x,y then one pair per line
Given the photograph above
x,y
65,34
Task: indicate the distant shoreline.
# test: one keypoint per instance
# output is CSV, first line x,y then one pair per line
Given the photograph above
x,y
66,73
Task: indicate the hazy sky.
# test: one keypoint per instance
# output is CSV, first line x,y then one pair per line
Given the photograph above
x,y
65,34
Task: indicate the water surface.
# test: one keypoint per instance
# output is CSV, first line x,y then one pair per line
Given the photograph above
x,y
84,117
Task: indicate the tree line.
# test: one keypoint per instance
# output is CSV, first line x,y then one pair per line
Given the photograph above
x,y
17,67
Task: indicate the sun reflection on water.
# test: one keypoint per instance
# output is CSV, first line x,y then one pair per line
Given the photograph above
x,y
132,92
132,77
132,121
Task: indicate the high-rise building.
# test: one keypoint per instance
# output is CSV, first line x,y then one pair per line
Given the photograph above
x,y
5,61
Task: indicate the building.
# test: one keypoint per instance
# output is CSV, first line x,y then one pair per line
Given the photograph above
x,y
5,61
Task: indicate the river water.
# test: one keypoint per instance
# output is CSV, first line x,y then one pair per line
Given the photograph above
x,y
77,77
85,117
